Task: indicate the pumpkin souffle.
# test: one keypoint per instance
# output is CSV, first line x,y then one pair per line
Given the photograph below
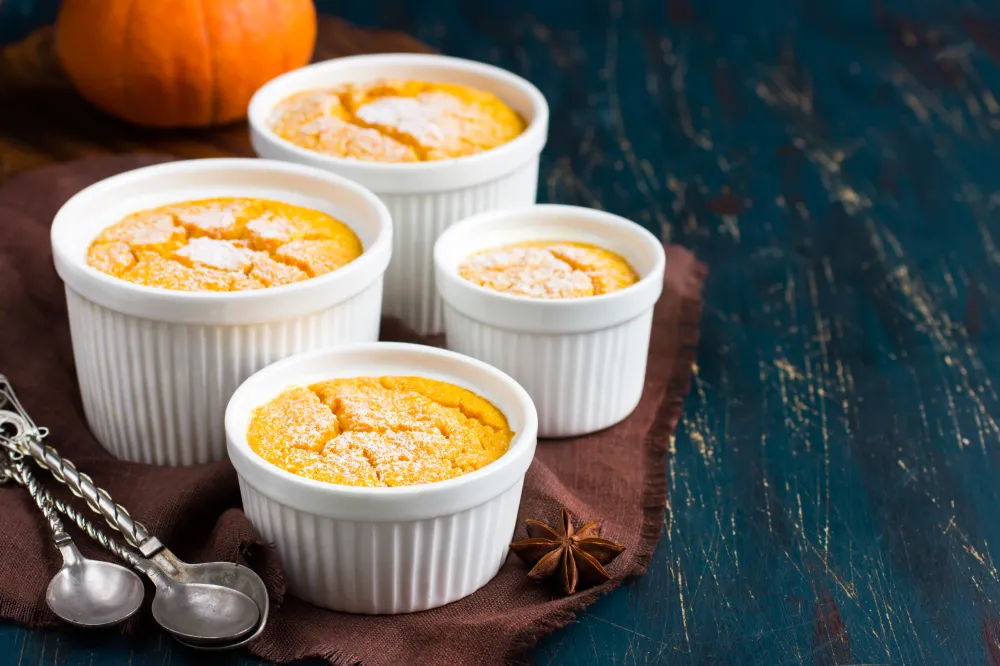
x,y
549,269
379,431
223,245
396,121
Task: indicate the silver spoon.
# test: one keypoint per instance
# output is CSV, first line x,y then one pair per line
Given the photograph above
x,y
199,604
165,585
85,592
219,605
202,604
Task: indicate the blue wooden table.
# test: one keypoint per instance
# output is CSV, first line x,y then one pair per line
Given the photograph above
x,y
834,481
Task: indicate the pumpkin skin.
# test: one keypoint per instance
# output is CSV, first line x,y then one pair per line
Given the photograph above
x,y
180,63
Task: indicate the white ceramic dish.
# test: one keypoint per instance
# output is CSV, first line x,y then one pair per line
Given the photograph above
x,y
385,550
582,360
156,367
423,198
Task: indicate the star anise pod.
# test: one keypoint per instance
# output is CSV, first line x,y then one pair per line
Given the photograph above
x,y
575,554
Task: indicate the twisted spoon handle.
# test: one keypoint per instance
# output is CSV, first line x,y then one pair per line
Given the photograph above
x,y
48,504
27,439
42,499
81,485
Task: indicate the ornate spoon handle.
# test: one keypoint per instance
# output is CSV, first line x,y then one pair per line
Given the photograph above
x,y
48,504
19,472
27,439
81,485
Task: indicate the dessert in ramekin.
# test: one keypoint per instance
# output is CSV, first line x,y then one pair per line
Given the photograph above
x,y
157,366
384,550
223,244
582,358
424,197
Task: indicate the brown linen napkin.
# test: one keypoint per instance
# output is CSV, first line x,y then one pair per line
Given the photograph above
x,y
618,475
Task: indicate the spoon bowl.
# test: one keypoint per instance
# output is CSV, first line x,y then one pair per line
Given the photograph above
x,y
84,592
199,613
212,606
225,585
259,595
226,574
91,593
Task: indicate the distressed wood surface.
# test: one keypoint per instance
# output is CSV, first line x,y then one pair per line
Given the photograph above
x,y
834,482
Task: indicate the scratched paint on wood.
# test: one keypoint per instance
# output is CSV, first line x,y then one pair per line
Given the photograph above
x,y
833,492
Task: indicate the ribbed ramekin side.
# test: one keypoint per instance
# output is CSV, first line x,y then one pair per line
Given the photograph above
x,y
418,220
156,392
386,567
580,382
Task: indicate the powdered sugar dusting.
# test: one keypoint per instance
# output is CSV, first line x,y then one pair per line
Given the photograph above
x,y
143,229
548,269
270,227
420,117
334,136
158,229
396,121
322,125
526,271
217,254
222,244
574,253
209,219
389,431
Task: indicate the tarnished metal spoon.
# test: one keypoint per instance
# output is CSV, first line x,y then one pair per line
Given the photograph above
x,y
179,607
85,592
218,605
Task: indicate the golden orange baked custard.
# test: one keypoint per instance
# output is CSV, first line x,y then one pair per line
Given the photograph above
x,y
379,431
396,121
227,244
549,269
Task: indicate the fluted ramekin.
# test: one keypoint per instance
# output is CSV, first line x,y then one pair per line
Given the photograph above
x,y
156,367
385,550
427,197
582,360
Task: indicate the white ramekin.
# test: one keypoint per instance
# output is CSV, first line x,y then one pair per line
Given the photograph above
x,y
385,550
155,366
424,198
582,360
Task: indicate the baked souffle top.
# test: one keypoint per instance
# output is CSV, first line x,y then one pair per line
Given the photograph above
x,y
379,431
227,244
549,269
396,121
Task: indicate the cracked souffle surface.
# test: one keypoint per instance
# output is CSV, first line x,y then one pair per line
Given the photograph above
x,y
396,121
379,431
549,269
226,244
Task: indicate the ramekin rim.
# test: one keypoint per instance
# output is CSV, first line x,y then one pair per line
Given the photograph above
x,y
396,493
257,117
381,245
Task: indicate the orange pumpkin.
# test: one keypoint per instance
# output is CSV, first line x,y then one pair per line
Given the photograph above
x,y
180,63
